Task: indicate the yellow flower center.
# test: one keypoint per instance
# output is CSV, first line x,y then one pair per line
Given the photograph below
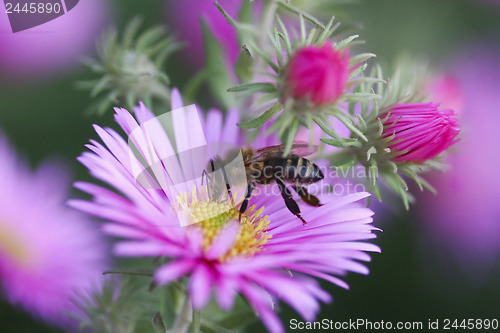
x,y
211,216
13,248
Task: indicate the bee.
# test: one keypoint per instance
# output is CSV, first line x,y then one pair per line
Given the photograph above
x,y
265,166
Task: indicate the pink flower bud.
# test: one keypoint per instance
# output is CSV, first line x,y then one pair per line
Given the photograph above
x,y
421,131
318,73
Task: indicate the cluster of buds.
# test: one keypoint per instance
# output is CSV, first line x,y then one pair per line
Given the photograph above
x,y
401,129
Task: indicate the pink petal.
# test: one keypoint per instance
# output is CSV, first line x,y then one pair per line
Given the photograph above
x,y
173,271
200,286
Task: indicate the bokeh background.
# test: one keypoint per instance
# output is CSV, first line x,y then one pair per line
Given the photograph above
x,y
440,260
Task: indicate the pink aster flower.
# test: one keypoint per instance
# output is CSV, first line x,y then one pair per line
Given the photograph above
x,y
253,256
318,73
47,251
420,131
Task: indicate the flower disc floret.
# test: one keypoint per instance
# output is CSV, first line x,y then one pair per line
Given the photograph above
x,y
213,216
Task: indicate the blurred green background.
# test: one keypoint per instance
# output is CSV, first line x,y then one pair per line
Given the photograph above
x,y
410,280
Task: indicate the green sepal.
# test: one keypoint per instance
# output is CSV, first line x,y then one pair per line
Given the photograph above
x,y
252,88
305,15
343,43
263,118
343,159
339,144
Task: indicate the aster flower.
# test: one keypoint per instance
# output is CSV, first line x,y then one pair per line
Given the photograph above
x,y
48,253
252,257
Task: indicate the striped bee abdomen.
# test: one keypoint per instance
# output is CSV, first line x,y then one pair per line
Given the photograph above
x,y
301,170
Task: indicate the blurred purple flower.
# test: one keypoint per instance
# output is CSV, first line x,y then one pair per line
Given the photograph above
x,y
465,214
52,46
47,251
185,18
445,89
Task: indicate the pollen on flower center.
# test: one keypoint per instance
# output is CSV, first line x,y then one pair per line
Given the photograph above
x,y
13,248
211,216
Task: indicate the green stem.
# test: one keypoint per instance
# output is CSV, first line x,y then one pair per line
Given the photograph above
x,y
184,317
196,321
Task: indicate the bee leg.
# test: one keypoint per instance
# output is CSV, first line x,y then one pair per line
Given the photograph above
x,y
244,204
292,206
228,187
206,175
308,198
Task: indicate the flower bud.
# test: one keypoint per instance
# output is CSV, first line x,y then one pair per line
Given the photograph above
x,y
420,131
318,73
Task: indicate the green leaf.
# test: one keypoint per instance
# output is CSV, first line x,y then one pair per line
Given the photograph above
x,y
263,118
254,87
297,11
158,324
130,271
244,65
218,77
238,319
245,13
209,327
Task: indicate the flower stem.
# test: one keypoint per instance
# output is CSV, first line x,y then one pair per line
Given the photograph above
x,y
196,321
184,317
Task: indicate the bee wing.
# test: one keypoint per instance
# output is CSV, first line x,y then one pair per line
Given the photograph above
x,y
303,148
300,148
